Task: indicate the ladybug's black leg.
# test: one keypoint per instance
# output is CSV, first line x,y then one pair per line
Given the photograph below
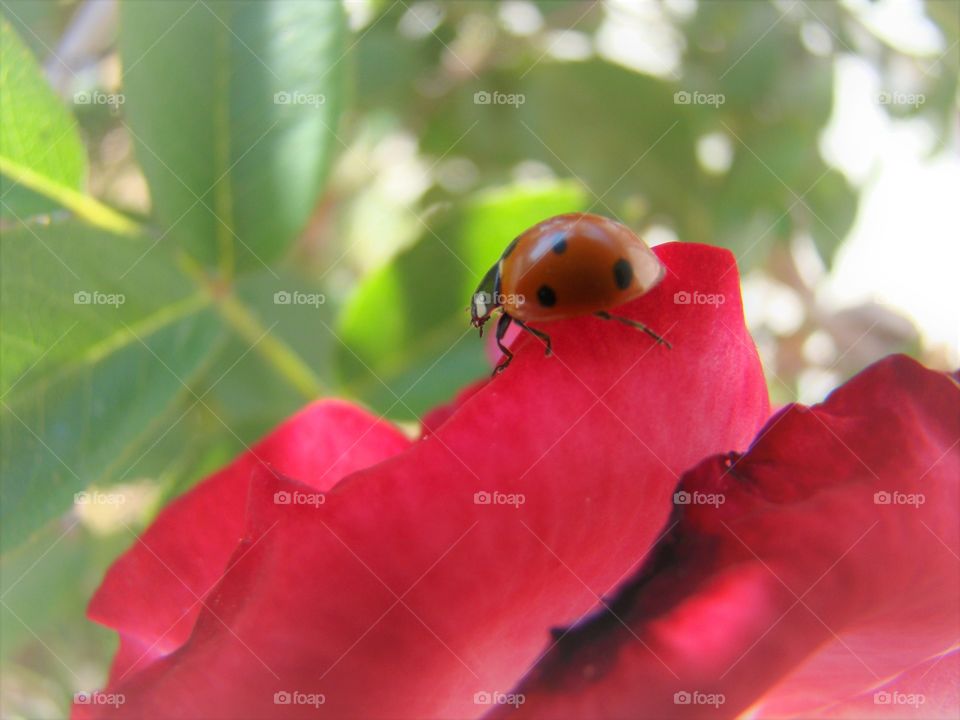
x,y
502,324
633,323
538,333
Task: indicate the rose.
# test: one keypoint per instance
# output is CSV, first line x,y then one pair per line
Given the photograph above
x,y
800,593
400,596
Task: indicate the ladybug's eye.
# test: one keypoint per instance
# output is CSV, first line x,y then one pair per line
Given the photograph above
x,y
480,304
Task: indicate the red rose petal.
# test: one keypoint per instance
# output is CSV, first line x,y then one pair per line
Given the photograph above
x,y
151,594
400,596
799,591
927,691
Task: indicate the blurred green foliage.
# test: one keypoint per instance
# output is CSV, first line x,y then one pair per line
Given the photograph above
x,y
36,130
234,163
113,370
317,200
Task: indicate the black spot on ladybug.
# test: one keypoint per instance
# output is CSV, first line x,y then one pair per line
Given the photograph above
x,y
547,296
622,273
560,246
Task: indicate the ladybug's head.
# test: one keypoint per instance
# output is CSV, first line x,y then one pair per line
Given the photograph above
x,y
485,298
481,306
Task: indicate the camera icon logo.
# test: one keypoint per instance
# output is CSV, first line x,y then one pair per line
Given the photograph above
x,y
281,98
281,297
681,297
82,297
281,497
882,497
681,97
282,697
681,497
482,498
482,698
681,697
481,97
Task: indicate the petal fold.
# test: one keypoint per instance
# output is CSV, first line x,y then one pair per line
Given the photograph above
x,y
800,579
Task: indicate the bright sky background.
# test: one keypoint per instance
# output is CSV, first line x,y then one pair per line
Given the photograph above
x,y
904,249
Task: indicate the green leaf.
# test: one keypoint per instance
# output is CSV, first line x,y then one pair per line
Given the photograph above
x,y
48,581
233,108
36,132
404,333
101,336
244,390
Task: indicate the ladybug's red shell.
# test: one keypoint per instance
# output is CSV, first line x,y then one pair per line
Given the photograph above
x,y
572,265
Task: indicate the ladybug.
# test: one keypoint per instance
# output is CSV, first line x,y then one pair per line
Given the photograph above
x,y
566,266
